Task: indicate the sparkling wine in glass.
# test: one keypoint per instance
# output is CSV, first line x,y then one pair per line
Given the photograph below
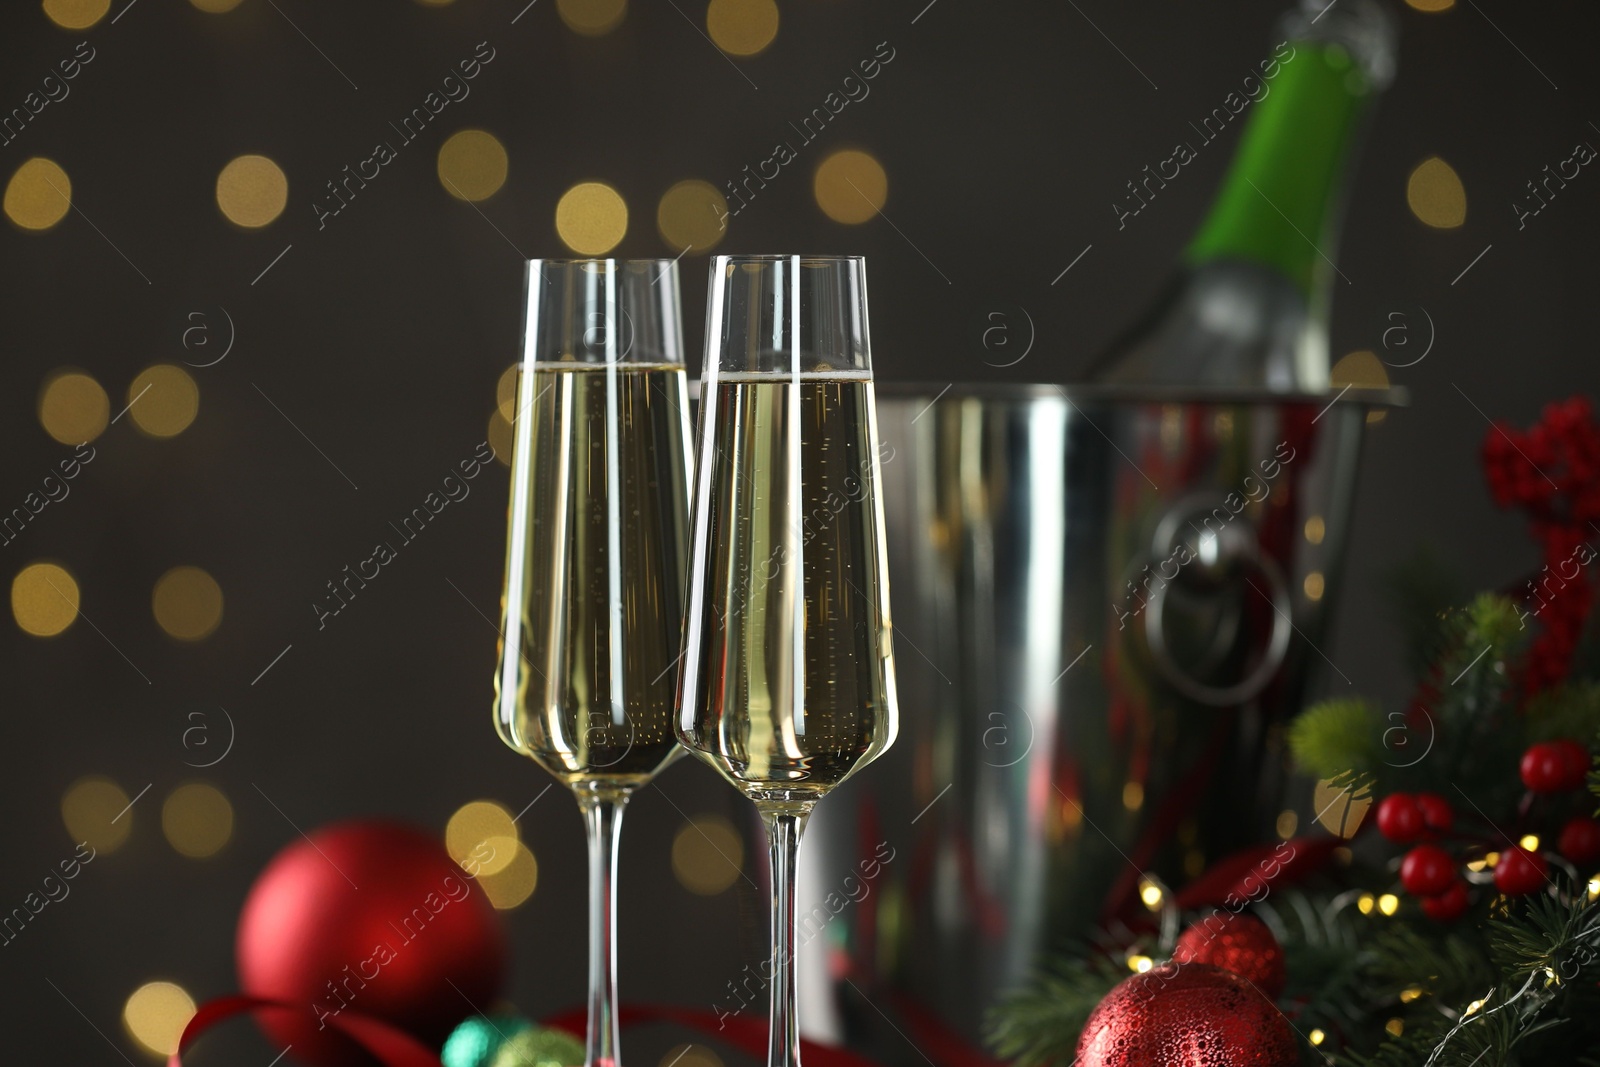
x,y
595,558
787,680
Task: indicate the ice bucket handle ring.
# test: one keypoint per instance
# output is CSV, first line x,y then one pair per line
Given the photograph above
x,y
1241,548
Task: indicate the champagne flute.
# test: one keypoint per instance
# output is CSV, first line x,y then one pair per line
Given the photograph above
x,y
595,558
787,682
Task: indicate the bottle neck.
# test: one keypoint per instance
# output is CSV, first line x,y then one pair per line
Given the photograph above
x,y
1280,200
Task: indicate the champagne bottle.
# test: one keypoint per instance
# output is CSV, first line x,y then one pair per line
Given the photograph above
x,y
1248,306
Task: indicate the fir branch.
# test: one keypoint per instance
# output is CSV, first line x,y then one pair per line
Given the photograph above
x,y
1037,1025
1339,740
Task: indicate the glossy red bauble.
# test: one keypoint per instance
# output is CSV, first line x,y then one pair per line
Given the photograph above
x,y
1400,819
1577,760
371,918
1546,767
1426,870
1580,840
1448,906
1437,814
1191,1014
1242,944
1520,872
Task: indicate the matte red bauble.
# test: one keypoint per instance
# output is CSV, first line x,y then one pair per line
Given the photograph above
x,y
1546,768
1519,872
1191,1014
1578,761
371,918
1426,870
1242,944
1448,906
1436,812
1580,840
1400,819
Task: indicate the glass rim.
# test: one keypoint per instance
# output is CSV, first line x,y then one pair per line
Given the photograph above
x,y
569,261
775,257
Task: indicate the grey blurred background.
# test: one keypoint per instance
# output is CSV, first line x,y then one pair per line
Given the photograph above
x,y
1006,130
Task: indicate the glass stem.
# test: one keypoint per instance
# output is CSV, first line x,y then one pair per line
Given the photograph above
x,y
783,837
602,815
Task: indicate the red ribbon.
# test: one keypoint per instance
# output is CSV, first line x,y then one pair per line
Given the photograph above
x,y
394,1047
391,1046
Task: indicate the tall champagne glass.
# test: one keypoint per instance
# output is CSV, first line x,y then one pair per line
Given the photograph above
x,y
595,557
787,681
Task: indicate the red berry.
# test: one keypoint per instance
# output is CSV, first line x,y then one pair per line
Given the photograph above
x,y
1436,812
1546,767
1399,818
1519,872
1577,762
1448,906
1580,840
1426,870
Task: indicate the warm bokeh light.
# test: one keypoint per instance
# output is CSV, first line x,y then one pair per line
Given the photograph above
x,y
1530,842
76,14
163,400
96,810
1436,195
1316,529
1314,585
44,599
1359,370
1316,1037
1431,6
472,165
197,819
690,1056
187,603
505,393
707,855
1365,903
1133,795
216,7
73,408
742,27
1388,903
592,17
39,194
850,186
1150,894
252,191
156,1014
477,834
591,218
1140,963
692,216
1338,808
514,883
500,438
1288,823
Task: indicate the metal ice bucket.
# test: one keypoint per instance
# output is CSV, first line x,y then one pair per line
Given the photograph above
x,y
1106,604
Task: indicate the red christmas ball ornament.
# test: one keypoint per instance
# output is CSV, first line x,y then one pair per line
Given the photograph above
x,y
1448,906
372,918
1580,840
1426,870
1546,768
1194,1014
1437,814
1519,872
1242,944
1577,760
1400,818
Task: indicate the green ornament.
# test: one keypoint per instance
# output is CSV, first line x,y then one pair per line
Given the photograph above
x,y
539,1046
475,1042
